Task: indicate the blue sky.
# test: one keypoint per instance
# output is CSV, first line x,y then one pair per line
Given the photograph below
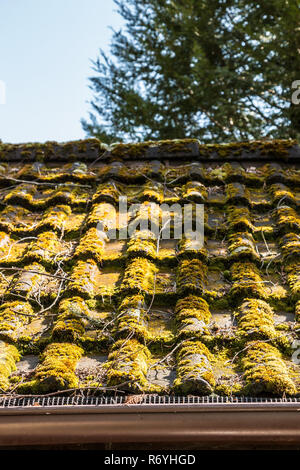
x,y
45,53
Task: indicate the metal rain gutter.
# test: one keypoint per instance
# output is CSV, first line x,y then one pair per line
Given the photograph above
x,y
271,422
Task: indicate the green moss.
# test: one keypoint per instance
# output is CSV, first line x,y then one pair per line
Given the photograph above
x,y
280,193
191,248
142,243
55,218
218,175
192,315
287,219
274,148
293,278
131,318
139,276
44,249
265,371
290,246
13,316
56,371
255,320
138,150
191,275
176,145
103,216
242,246
229,389
91,245
239,219
127,365
83,275
237,193
71,321
9,355
106,192
194,371
246,281
195,192
131,150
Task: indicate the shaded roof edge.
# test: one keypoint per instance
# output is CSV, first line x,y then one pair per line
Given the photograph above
x,y
92,150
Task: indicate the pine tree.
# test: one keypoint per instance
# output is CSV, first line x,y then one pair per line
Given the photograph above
x,y
216,70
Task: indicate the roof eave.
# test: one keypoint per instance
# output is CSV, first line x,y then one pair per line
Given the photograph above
x,y
230,424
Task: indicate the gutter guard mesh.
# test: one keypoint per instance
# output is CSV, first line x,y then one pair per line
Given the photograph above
x,y
147,400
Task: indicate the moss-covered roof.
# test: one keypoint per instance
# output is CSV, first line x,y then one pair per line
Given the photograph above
x,y
79,310
189,149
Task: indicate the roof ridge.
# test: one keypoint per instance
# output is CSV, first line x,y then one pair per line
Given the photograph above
x,y
93,150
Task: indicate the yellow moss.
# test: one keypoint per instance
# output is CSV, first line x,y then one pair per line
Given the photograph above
x,y
148,216
55,217
281,194
192,248
293,278
195,192
297,311
132,317
237,193
77,172
128,364
192,315
91,245
290,246
191,275
9,355
265,371
287,219
83,277
71,321
106,192
14,315
102,215
246,281
12,219
56,370
239,219
45,248
255,320
152,192
5,242
31,197
21,194
142,243
242,246
66,194
30,280
194,371
139,276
